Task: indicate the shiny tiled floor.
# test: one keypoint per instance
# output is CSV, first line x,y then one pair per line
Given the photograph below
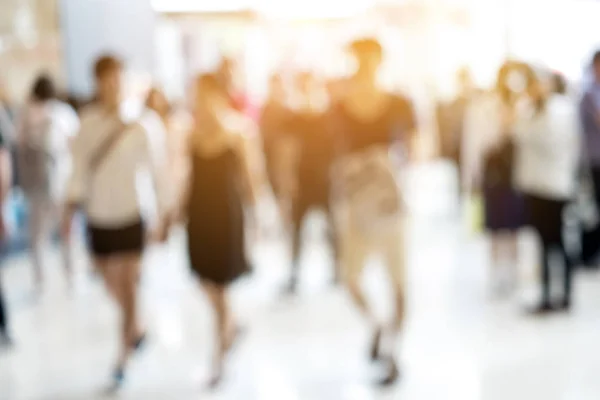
x,y
458,343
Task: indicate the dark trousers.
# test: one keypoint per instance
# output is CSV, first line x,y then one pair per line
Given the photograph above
x,y
546,217
590,240
3,317
300,209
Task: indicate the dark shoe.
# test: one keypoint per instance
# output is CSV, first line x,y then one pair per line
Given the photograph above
x,y
139,343
215,381
564,306
291,289
5,341
542,309
376,345
118,378
392,376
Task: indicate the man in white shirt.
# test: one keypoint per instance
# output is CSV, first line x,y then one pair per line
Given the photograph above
x,y
108,154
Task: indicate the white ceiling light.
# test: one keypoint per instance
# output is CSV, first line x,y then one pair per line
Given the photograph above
x,y
208,6
312,8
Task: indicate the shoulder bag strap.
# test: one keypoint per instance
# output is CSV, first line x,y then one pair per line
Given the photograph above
x,y
106,148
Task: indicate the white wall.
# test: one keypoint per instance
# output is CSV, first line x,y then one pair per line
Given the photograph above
x,y
93,27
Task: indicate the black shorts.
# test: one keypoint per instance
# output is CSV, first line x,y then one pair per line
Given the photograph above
x,y
126,239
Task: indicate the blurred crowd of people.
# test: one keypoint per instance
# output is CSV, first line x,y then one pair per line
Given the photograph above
x,y
338,147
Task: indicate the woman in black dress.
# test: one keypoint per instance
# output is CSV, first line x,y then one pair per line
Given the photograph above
x,y
219,185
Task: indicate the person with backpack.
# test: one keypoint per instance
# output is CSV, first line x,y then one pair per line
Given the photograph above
x,y
369,124
44,130
108,153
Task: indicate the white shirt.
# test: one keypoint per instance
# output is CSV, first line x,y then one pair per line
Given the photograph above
x,y
482,131
49,125
111,192
548,150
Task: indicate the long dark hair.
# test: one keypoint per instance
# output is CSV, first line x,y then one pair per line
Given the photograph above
x,y
43,89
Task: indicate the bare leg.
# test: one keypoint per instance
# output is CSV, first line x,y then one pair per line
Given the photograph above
x,y
129,275
299,211
395,258
112,273
512,241
353,253
333,243
36,236
223,327
66,248
495,262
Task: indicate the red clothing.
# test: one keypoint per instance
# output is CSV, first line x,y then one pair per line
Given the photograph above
x,y
242,103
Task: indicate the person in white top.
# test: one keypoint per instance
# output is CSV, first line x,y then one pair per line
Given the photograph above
x,y
109,154
548,155
487,169
43,134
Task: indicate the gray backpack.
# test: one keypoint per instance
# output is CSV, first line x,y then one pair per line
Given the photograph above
x,y
35,158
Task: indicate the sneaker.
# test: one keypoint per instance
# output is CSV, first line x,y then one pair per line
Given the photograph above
x,y
393,374
5,341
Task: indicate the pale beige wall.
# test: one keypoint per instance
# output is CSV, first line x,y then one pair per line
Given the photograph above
x,y
29,44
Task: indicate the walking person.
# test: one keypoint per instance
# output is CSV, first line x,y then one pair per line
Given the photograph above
x,y
369,123
219,191
589,114
44,134
307,164
488,166
274,122
451,117
108,153
545,172
5,185
169,127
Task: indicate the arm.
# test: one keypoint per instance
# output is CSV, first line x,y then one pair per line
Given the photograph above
x,y
76,183
244,151
470,153
5,173
155,155
182,198
7,127
405,134
5,184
